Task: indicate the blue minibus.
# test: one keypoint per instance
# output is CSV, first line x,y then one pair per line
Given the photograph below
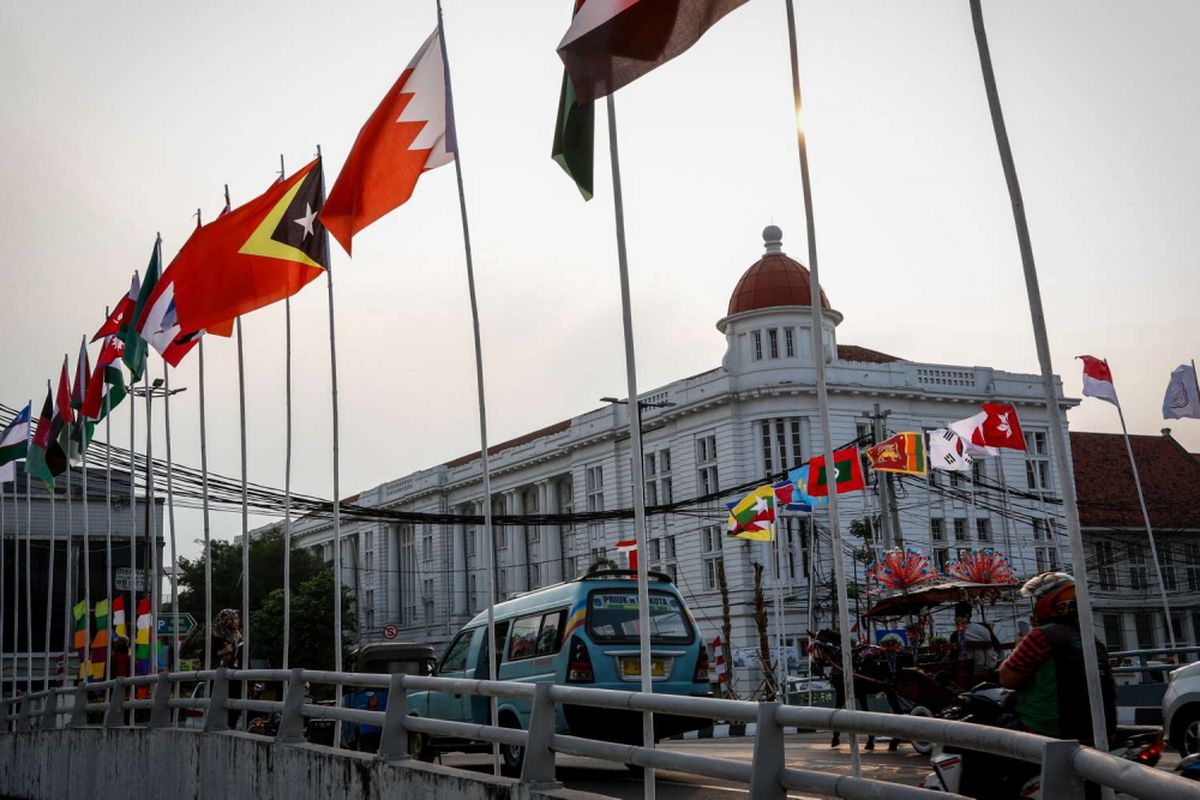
x,y
582,632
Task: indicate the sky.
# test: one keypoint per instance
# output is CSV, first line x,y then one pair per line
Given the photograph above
x,y
120,120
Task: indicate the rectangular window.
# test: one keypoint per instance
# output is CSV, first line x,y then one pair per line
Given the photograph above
x,y
669,546
369,608
657,474
706,464
983,530
655,548
1114,636
1035,443
1106,565
572,566
595,488
756,336
942,556
427,547
535,575
613,617
472,592
710,548
937,529
773,342
1167,555
1144,624
789,342
502,582
1191,558
960,530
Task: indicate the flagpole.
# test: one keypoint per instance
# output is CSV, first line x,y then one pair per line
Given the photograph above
x,y
174,663
780,634
151,526
50,583
108,587
131,614
1058,438
3,591
484,466
28,574
68,579
87,548
204,499
818,352
812,593
1137,482
241,365
16,631
287,466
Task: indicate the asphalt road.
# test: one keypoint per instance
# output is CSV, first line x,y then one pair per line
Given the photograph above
x,y
804,751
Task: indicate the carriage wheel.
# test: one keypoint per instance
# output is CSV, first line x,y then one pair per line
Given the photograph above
x,y
922,747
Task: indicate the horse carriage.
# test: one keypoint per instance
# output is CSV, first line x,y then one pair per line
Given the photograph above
x,y
915,676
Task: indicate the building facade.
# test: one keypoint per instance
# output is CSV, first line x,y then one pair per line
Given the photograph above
x,y
753,416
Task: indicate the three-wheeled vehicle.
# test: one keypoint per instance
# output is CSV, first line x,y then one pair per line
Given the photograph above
x,y
386,658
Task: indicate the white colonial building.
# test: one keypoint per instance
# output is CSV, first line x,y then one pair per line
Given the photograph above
x,y
752,416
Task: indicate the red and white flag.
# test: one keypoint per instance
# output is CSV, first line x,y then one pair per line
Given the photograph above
x,y
995,426
410,132
719,660
1098,380
629,548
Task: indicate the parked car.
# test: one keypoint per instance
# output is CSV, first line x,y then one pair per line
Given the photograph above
x,y
583,632
1181,709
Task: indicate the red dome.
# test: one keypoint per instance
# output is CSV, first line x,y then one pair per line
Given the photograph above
x,y
773,280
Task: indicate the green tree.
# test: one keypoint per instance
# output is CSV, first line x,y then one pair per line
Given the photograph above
x,y
311,644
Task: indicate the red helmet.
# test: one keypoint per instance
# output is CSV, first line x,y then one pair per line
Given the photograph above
x,y
1053,595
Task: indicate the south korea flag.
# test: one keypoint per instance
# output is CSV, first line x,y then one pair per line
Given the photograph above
x,y
949,451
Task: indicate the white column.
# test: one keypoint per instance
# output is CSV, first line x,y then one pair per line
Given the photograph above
x,y
390,535
458,557
553,535
519,575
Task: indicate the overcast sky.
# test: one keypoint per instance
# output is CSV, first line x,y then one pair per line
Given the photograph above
x,y
121,119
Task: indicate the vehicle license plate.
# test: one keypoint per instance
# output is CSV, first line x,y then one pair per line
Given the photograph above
x,y
632,667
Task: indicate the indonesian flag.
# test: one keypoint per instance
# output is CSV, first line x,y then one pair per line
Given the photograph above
x,y
410,132
995,426
1098,380
614,42
629,548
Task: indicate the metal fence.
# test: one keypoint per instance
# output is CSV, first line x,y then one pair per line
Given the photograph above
x,y
114,704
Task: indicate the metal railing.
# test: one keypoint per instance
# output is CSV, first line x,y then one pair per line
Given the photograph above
x,y
115,704
1142,659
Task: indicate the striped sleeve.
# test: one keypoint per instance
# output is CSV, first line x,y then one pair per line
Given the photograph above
x,y
1030,653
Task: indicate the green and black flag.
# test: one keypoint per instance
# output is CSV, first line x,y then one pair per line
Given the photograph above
x,y
574,134
45,439
135,346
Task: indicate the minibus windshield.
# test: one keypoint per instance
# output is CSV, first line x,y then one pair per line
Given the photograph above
x,y
613,617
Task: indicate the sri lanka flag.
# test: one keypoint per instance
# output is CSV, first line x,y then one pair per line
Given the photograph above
x,y
904,452
753,517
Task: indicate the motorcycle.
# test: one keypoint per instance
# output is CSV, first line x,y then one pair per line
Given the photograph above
x,y
988,704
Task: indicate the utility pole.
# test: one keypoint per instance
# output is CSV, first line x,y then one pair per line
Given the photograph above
x,y
892,534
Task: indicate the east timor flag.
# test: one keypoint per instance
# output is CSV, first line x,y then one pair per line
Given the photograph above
x,y
255,255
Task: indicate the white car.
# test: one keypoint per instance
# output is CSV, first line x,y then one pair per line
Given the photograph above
x,y
1181,709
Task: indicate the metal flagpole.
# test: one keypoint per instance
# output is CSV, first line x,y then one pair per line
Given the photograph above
x,y
151,534
16,630
3,593
28,578
204,512
489,550
635,444
241,365
1057,425
1137,482
818,352
812,592
108,587
87,546
287,467
131,614
69,582
174,663
49,611
777,598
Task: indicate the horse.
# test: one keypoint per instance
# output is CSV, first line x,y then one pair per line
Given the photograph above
x,y
876,671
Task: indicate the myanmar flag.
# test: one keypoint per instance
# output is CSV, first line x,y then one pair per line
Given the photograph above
x,y
904,452
849,473
257,254
753,517
575,134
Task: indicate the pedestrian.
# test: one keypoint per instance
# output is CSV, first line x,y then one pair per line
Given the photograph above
x,y
974,641
227,652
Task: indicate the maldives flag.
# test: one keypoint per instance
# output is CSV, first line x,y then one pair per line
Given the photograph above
x,y
410,132
257,254
995,426
120,313
614,42
1098,380
849,469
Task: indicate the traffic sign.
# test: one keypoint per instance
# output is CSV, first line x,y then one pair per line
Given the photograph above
x,y
166,621
390,631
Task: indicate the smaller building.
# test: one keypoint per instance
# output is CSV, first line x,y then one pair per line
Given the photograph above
x,y
1126,597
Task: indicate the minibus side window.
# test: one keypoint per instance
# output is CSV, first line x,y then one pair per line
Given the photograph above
x,y
455,659
550,639
523,642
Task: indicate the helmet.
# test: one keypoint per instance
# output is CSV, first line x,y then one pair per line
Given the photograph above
x,y
1053,595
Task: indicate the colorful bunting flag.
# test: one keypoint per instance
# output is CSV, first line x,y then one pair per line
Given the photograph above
x,y
850,476
106,389
141,648
98,651
904,452
79,612
753,517
119,616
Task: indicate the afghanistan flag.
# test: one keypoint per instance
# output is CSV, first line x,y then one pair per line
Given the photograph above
x,y
135,346
904,452
106,388
849,473
43,440
575,134
257,254
753,517
14,445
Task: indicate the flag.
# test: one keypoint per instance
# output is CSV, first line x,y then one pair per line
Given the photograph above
x,y
753,517
98,651
79,612
629,548
255,255
904,452
121,312
786,498
1183,394
799,478
575,134
14,445
850,476
135,346
722,669
949,451
106,389
159,323
80,432
614,42
43,439
141,644
995,426
83,374
410,132
119,616
1098,380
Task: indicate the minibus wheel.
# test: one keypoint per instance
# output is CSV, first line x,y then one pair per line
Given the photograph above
x,y
511,756
419,749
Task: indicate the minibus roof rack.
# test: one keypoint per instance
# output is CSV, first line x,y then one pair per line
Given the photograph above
x,y
606,574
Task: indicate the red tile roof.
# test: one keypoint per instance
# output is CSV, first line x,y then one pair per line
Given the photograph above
x,y
1104,484
773,280
852,352
532,436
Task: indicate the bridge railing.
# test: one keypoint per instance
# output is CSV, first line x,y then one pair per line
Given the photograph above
x,y
115,703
